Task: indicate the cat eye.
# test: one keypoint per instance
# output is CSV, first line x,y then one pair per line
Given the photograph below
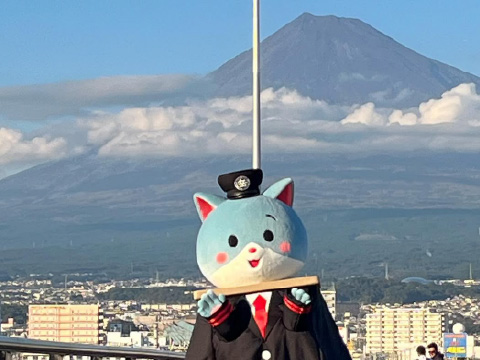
x,y
232,241
268,235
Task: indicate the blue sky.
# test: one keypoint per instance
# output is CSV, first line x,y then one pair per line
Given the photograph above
x,y
52,41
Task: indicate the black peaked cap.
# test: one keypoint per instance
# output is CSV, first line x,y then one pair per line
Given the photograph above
x,y
241,184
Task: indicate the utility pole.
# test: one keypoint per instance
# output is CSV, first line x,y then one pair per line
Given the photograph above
x,y
256,145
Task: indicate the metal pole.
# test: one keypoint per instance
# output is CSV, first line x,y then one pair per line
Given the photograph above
x,y
256,160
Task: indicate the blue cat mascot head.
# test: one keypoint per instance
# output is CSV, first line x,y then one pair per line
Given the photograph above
x,y
248,237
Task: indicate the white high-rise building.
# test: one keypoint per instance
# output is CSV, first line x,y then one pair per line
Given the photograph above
x,y
394,330
330,296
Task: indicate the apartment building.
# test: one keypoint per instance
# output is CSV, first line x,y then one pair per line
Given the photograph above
x,y
65,323
330,296
392,330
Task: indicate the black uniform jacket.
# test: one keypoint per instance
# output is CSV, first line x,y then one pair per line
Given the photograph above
x,y
289,335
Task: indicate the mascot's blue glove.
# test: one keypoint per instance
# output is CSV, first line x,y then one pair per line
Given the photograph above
x,y
209,303
301,296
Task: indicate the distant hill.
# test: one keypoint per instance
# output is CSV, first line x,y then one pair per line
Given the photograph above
x,y
342,61
120,216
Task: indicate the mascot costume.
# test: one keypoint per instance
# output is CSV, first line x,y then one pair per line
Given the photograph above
x,y
250,239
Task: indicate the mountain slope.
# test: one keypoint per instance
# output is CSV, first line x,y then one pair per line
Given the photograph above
x,y
342,61
103,215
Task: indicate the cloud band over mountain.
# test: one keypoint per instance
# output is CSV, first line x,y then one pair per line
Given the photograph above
x,y
290,123
73,98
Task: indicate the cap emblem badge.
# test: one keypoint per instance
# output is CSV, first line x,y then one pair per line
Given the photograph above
x,y
242,183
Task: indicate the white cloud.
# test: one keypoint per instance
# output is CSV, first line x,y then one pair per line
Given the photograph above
x,y
458,105
214,126
365,114
398,117
461,103
14,148
290,123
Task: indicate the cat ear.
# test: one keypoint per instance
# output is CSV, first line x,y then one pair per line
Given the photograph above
x,y
206,203
281,190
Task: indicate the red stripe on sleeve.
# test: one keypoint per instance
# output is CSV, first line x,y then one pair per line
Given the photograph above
x,y
221,315
295,308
